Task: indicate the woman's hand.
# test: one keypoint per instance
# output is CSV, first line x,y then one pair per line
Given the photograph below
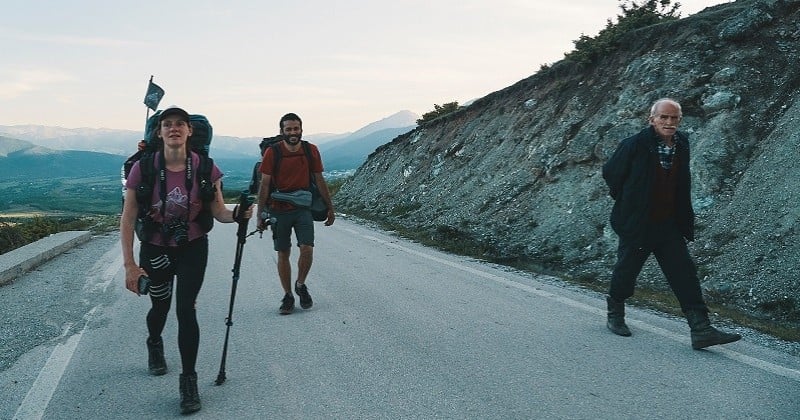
x,y
132,274
237,215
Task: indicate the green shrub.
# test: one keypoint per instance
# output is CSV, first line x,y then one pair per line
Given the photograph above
x,y
335,185
16,234
438,111
10,237
39,227
634,16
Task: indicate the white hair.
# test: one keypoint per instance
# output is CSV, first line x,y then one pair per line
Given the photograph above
x,y
665,101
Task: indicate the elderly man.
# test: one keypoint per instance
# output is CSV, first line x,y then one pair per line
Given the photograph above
x,y
649,179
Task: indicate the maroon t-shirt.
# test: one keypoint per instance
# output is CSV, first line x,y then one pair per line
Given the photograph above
x,y
177,195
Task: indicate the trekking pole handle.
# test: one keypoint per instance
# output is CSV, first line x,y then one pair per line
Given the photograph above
x,y
245,201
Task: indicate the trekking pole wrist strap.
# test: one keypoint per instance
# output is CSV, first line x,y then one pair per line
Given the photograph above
x,y
235,215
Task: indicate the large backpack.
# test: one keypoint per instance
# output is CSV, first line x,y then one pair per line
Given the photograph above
x,y
199,141
255,180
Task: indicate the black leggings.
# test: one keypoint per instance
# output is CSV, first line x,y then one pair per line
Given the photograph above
x,y
188,264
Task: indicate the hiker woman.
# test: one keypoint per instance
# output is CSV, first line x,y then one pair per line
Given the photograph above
x,y
172,216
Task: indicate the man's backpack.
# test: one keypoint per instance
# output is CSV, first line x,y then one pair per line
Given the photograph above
x,y
255,180
199,141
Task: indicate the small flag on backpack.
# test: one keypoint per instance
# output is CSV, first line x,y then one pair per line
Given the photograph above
x,y
153,95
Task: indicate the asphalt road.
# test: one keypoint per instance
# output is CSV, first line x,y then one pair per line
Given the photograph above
x,y
397,331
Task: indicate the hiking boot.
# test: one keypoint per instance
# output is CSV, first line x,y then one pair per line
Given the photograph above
x,y
703,334
305,298
155,357
616,317
287,304
190,399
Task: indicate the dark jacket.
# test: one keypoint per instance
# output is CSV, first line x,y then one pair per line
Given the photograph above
x,y
629,174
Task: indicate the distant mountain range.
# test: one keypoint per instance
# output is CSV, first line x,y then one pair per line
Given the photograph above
x,y
350,152
23,160
78,170
340,151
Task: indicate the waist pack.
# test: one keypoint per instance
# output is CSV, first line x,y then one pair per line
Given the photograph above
x,y
298,198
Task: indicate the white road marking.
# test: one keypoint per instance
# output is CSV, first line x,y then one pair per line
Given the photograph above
x,y
35,402
764,365
38,397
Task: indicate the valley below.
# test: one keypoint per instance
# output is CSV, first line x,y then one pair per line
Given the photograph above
x,y
88,195
97,194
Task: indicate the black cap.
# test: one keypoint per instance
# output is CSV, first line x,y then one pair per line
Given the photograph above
x,y
174,110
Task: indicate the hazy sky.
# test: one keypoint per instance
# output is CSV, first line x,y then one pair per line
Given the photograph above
x,y
339,64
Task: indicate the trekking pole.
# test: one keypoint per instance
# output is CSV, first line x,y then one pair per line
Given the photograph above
x,y
245,201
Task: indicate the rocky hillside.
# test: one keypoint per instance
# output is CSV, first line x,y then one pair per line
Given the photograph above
x,y
517,173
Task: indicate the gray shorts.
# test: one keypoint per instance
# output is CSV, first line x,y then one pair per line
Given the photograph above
x,y
299,220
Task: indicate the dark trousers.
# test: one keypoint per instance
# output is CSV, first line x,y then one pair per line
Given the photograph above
x,y
188,265
669,247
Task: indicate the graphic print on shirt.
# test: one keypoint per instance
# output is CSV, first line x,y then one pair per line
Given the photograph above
x,y
177,206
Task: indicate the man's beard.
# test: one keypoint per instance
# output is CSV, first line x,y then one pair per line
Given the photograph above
x,y
294,139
